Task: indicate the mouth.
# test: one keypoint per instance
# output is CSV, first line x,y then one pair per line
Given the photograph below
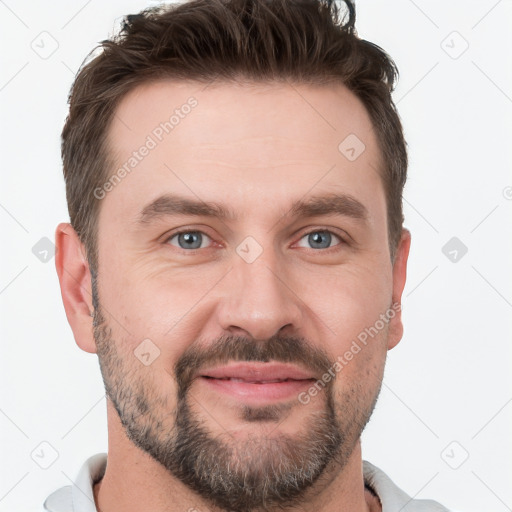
x,y
249,381
257,382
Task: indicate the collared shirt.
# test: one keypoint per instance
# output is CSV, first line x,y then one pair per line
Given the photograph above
x,y
79,497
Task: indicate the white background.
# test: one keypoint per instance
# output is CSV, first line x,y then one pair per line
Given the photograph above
x,y
447,393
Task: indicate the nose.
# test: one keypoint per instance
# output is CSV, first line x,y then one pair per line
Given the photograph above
x,y
259,301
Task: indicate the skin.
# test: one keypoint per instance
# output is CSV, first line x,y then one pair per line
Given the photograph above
x,y
275,144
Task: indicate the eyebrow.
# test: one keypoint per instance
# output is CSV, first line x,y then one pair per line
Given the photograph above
x,y
176,205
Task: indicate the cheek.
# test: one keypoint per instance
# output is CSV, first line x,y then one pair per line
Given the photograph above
x,y
359,370
134,298
356,310
166,307
351,304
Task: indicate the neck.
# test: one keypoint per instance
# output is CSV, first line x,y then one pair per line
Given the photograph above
x,y
134,481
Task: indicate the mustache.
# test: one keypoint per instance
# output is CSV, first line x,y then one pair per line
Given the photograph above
x,y
285,349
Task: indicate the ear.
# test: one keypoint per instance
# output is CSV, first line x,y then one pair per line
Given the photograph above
x,y
75,285
396,328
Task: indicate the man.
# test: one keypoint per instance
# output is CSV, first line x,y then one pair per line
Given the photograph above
x,y
236,258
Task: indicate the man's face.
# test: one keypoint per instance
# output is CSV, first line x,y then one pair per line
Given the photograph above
x,y
269,286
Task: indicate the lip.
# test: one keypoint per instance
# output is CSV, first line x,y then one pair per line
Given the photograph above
x,y
257,372
255,383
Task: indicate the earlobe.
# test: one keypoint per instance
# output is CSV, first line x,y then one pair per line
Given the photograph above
x,y
396,329
75,285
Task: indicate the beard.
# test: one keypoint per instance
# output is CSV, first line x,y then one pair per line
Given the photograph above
x,y
268,469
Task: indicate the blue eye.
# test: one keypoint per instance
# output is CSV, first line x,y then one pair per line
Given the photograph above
x,y
320,239
192,240
189,240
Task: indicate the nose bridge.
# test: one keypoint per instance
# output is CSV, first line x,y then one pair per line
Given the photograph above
x,y
258,300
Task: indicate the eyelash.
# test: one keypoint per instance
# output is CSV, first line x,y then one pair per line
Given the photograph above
x,y
317,230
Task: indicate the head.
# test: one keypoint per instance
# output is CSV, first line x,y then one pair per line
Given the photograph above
x,y
234,174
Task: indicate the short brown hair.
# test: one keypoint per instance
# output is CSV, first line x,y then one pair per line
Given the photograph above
x,y
304,41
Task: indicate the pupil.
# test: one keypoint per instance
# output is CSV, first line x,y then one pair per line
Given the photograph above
x,y
191,240
316,239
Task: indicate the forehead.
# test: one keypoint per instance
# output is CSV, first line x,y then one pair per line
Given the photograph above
x,y
286,110
230,142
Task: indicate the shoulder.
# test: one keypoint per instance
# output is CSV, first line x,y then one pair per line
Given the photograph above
x,y
392,497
